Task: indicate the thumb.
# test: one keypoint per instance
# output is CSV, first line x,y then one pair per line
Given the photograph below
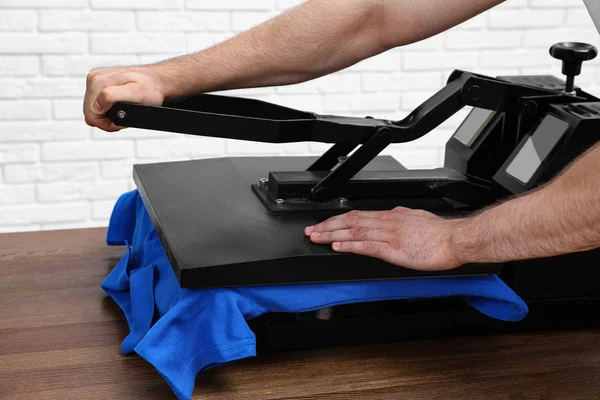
x,y
130,92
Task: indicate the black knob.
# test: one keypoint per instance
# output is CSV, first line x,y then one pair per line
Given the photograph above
x,y
572,54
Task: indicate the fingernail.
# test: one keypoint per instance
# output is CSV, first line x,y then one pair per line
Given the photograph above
x,y
308,230
315,235
96,106
336,246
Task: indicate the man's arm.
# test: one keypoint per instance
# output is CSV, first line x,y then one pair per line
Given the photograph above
x,y
314,39
561,217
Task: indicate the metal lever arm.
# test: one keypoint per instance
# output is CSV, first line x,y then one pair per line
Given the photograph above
x,y
255,120
243,119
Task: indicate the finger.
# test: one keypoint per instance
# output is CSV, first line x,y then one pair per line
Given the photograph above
x,y
115,128
381,250
130,92
101,71
106,125
97,82
379,234
371,214
103,123
344,221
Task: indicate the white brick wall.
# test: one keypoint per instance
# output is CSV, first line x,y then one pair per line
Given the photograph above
x,y
56,173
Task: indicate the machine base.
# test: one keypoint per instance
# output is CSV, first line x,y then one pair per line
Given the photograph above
x,y
401,320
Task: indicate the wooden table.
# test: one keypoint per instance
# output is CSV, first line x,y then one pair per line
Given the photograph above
x,y
60,338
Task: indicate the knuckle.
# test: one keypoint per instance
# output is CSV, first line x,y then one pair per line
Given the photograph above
x,y
396,243
355,232
91,75
327,237
107,95
95,80
351,218
344,246
402,211
348,219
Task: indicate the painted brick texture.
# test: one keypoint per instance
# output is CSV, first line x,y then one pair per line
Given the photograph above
x,y
56,172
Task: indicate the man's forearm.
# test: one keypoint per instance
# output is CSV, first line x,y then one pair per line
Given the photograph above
x,y
312,40
561,217
305,42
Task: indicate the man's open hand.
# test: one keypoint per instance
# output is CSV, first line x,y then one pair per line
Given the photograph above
x,y
106,86
409,238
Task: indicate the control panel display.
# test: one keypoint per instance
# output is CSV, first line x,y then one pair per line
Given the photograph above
x,y
537,147
473,125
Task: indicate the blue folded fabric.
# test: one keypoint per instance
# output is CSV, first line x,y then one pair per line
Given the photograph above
x,y
182,332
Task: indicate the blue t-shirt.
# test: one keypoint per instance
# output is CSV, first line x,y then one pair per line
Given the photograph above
x,y
182,332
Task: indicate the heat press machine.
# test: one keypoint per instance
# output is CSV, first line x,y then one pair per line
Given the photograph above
x,y
238,221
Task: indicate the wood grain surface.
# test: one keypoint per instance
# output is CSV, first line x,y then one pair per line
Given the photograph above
x,y
60,338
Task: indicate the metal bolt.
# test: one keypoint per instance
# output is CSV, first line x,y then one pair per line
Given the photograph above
x,y
341,159
263,182
343,201
279,201
475,92
121,114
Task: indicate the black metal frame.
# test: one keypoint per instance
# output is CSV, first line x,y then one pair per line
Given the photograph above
x,y
248,119
278,252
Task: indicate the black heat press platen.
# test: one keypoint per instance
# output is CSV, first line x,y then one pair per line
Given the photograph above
x,y
217,232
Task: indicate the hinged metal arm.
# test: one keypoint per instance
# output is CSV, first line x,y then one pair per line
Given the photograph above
x,y
255,120
462,89
468,89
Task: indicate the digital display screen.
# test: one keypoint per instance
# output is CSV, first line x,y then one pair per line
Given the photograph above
x,y
537,147
473,125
